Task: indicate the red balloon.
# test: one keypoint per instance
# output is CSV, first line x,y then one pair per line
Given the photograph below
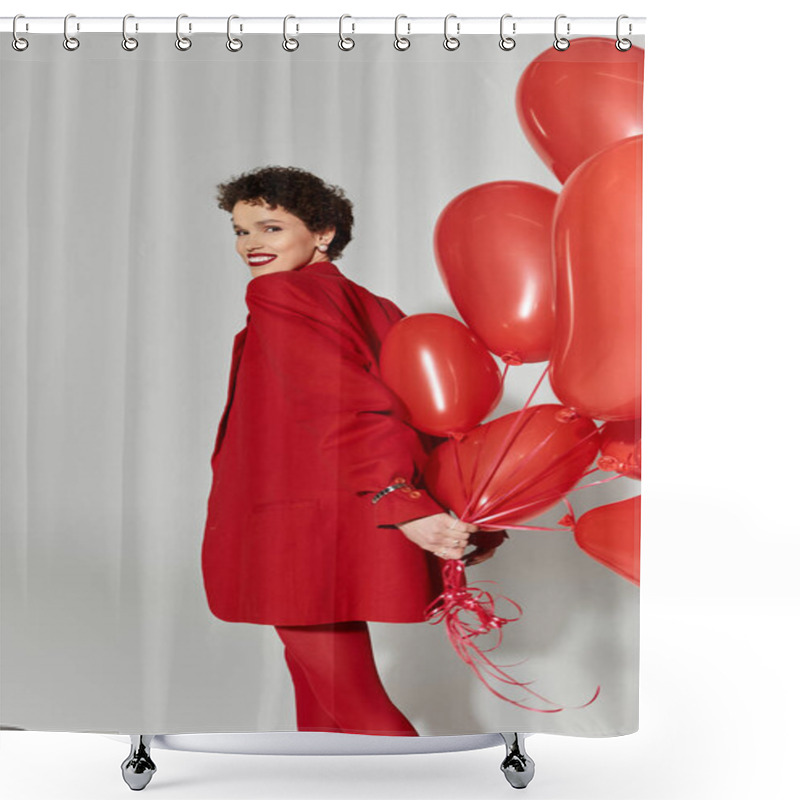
x,y
446,378
611,535
575,102
493,245
621,448
595,365
547,457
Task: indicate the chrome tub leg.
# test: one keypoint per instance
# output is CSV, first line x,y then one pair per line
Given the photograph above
x,y
517,766
138,768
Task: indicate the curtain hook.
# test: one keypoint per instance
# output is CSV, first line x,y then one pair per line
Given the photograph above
x,y
400,42
507,42
182,42
18,43
623,44
70,42
345,42
128,42
288,42
561,42
233,44
451,42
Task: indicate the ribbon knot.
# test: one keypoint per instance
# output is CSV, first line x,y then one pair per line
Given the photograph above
x,y
608,463
568,521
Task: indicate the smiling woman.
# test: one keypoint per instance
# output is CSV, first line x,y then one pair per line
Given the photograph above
x,y
285,217
316,524
270,239
304,530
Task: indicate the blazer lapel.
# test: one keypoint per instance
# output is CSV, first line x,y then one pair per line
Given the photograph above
x,y
238,346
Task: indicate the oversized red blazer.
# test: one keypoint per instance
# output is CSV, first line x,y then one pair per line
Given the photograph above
x,y
309,434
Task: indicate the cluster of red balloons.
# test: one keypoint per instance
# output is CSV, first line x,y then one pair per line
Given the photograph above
x,y
541,276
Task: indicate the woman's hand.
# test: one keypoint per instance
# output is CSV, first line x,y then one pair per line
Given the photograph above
x,y
478,555
441,534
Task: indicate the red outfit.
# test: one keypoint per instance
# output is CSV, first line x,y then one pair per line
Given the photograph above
x,y
309,434
336,683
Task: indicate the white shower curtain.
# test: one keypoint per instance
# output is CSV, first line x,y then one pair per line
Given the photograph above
x,y
121,293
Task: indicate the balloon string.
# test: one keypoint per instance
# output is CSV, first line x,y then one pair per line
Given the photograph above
x,y
519,527
491,502
489,526
510,436
543,497
523,462
458,598
524,486
550,494
597,483
490,509
459,469
548,468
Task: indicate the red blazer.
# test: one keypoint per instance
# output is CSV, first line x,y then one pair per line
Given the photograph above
x,y
309,434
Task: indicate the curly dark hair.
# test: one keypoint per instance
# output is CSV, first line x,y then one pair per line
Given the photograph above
x,y
318,204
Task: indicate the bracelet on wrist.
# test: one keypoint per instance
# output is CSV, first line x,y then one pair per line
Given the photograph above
x,y
398,484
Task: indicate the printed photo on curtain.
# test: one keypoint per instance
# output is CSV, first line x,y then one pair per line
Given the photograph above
x,y
321,385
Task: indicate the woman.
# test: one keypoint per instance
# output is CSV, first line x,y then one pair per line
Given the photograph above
x,y
316,519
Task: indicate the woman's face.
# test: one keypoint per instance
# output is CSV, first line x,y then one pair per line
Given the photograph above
x,y
270,239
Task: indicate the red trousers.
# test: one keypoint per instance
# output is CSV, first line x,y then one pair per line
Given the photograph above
x,y
336,684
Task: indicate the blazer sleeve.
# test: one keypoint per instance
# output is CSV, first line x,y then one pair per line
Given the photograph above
x,y
322,363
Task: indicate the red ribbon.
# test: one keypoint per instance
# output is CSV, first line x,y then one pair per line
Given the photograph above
x,y
457,599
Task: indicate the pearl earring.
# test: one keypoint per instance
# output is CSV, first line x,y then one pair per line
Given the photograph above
x,y
322,247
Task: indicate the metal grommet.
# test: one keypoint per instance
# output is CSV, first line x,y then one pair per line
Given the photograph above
x,y
400,42
451,42
621,44
507,42
128,42
233,44
561,42
70,42
345,42
289,43
18,43
182,42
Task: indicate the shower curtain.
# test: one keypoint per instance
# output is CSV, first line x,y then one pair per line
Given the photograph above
x,y
198,448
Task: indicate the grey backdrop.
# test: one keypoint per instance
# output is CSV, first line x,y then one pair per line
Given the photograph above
x,y
120,293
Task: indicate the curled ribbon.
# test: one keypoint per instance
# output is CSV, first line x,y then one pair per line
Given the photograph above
x,y
458,598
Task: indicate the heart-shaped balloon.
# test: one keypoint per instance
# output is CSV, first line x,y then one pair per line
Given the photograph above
x,y
596,361
512,468
611,535
573,103
493,246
